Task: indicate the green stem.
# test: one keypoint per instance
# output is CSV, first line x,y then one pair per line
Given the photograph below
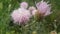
x,y
55,26
30,24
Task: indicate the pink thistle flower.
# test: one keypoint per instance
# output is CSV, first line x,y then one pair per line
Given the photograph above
x,y
24,5
20,16
44,8
32,10
53,32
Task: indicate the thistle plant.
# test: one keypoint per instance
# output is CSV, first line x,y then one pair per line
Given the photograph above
x,y
29,17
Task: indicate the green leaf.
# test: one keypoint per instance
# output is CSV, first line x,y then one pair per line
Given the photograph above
x,y
1,5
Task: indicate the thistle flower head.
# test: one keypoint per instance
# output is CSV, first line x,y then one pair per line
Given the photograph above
x,y
53,32
20,16
24,5
32,10
44,8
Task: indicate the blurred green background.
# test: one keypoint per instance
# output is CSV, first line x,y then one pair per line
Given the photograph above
x,y
7,6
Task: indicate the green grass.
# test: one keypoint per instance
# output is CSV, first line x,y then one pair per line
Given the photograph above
x,y
7,6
